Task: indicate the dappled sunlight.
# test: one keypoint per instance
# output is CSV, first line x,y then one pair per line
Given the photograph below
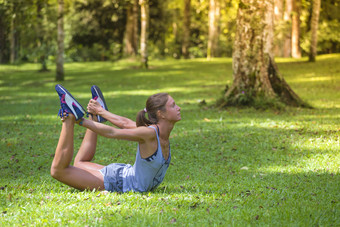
x,y
169,90
153,74
12,88
312,78
326,105
316,159
36,117
290,60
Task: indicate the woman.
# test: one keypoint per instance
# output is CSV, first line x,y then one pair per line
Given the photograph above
x,y
152,134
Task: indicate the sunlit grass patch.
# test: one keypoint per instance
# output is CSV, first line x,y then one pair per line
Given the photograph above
x,y
229,167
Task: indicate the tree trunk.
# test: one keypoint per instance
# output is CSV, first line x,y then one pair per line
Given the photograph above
x,y
296,51
3,28
278,20
214,17
40,34
60,54
287,33
131,29
186,29
144,31
177,50
12,39
314,28
135,27
255,73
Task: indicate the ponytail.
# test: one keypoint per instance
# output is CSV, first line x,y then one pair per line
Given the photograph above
x,y
142,120
153,104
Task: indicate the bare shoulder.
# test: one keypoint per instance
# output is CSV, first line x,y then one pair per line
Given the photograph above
x,y
149,132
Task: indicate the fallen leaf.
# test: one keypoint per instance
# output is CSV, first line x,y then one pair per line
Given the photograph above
x,y
207,120
244,168
173,220
9,197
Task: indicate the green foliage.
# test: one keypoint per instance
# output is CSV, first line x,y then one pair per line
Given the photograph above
x,y
239,167
94,29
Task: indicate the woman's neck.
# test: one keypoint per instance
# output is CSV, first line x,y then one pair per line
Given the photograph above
x,y
165,129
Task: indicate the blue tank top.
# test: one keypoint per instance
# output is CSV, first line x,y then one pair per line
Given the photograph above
x,y
146,174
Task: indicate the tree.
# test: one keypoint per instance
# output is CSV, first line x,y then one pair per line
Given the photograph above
x,y
60,54
13,36
288,35
41,36
2,35
256,76
186,28
296,51
214,18
131,29
314,29
144,32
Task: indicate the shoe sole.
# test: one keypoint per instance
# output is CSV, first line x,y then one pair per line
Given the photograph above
x,y
59,87
100,94
95,89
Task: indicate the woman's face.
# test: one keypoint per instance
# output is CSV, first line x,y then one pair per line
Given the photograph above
x,y
172,112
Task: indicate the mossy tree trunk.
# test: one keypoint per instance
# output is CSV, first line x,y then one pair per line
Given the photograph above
x,y
255,73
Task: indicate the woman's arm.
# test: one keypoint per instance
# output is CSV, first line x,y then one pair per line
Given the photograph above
x,y
140,134
122,122
119,121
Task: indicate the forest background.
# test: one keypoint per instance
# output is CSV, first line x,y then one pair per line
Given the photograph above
x,y
108,30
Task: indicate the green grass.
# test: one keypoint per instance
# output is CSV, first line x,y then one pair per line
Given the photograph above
x,y
232,167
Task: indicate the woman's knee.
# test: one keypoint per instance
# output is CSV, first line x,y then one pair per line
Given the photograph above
x,y
78,163
56,172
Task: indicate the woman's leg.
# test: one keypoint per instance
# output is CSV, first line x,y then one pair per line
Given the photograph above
x,y
87,151
61,168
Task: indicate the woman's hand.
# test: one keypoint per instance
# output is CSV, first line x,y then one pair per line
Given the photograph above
x,y
94,107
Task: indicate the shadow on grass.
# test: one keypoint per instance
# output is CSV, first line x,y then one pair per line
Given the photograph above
x,y
208,152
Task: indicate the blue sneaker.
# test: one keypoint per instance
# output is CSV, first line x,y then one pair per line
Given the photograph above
x,y
68,104
98,95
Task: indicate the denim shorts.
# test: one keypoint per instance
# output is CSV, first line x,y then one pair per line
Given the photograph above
x,y
113,177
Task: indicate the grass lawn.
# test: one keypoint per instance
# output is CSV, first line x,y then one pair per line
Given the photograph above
x,y
229,167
